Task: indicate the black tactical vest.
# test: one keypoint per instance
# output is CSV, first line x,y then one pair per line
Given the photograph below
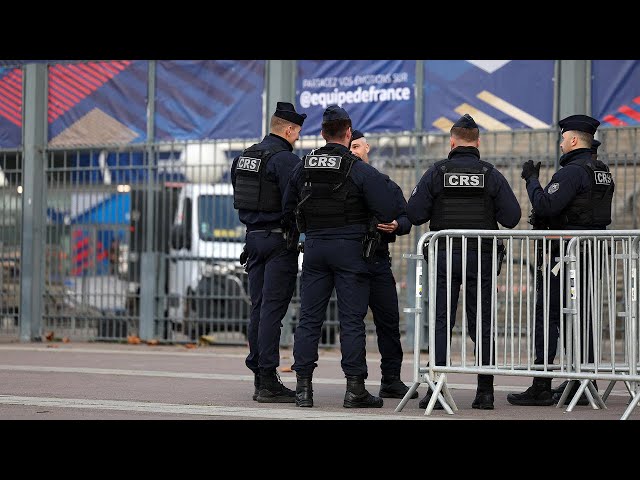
x,y
464,202
253,190
329,198
590,209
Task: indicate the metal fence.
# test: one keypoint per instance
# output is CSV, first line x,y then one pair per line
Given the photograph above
x,y
597,309
143,240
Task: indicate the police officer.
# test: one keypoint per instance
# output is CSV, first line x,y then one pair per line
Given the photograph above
x,y
334,195
578,197
383,297
557,392
439,198
259,177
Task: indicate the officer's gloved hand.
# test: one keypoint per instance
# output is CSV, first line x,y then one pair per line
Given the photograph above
x,y
530,171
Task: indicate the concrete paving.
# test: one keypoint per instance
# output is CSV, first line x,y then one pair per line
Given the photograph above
x,y
107,381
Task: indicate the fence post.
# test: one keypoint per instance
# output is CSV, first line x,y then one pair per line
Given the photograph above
x,y
149,258
34,140
148,293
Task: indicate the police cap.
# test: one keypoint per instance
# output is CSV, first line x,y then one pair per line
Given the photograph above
x,y
334,112
581,123
356,135
288,112
594,146
466,121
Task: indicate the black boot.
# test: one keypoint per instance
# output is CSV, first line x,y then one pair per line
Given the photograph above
x,y
357,396
272,390
537,395
583,400
484,393
304,391
256,384
392,387
427,398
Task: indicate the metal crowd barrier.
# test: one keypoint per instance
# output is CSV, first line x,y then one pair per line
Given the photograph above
x,y
604,292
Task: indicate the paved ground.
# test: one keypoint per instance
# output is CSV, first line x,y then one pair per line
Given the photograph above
x,y
104,381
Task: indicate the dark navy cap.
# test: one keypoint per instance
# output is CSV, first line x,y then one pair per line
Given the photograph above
x,y
594,146
356,135
334,112
466,121
287,111
581,123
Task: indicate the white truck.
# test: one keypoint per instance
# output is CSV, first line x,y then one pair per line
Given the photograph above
x,y
207,285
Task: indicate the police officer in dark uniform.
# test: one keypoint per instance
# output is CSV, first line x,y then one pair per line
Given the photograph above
x,y
383,297
439,198
557,392
259,177
578,197
334,196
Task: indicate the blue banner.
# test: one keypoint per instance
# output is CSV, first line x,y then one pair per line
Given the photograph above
x,y
97,103
377,94
209,99
615,92
498,94
10,107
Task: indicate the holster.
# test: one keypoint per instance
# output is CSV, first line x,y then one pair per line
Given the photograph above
x,y
300,223
370,245
292,237
244,256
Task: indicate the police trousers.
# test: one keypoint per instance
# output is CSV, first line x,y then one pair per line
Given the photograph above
x,y
328,264
272,273
455,282
554,302
383,302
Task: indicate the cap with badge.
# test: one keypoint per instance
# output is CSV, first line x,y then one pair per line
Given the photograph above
x,y
334,112
287,111
581,123
356,134
466,121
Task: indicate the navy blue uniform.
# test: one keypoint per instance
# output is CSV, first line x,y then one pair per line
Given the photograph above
x,y
333,258
549,203
271,267
383,297
507,212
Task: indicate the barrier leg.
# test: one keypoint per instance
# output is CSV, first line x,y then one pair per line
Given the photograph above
x,y
407,396
606,393
437,396
632,404
591,393
594,397
565,393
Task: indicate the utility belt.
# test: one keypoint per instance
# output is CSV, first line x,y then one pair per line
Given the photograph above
x,y
272,230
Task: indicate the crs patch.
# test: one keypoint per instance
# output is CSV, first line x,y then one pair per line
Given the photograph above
x,y
464,180
603,178
553,188
249,164
322,161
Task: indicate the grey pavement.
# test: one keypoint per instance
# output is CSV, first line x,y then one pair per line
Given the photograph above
x,y
108,381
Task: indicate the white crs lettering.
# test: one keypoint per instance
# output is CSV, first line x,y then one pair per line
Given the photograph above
x,y
322,161
464,180
603,178
249,164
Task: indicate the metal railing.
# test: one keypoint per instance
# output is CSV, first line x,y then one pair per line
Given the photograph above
x,y
596,285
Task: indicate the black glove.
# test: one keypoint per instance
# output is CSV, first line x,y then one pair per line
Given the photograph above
x,y
530,171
